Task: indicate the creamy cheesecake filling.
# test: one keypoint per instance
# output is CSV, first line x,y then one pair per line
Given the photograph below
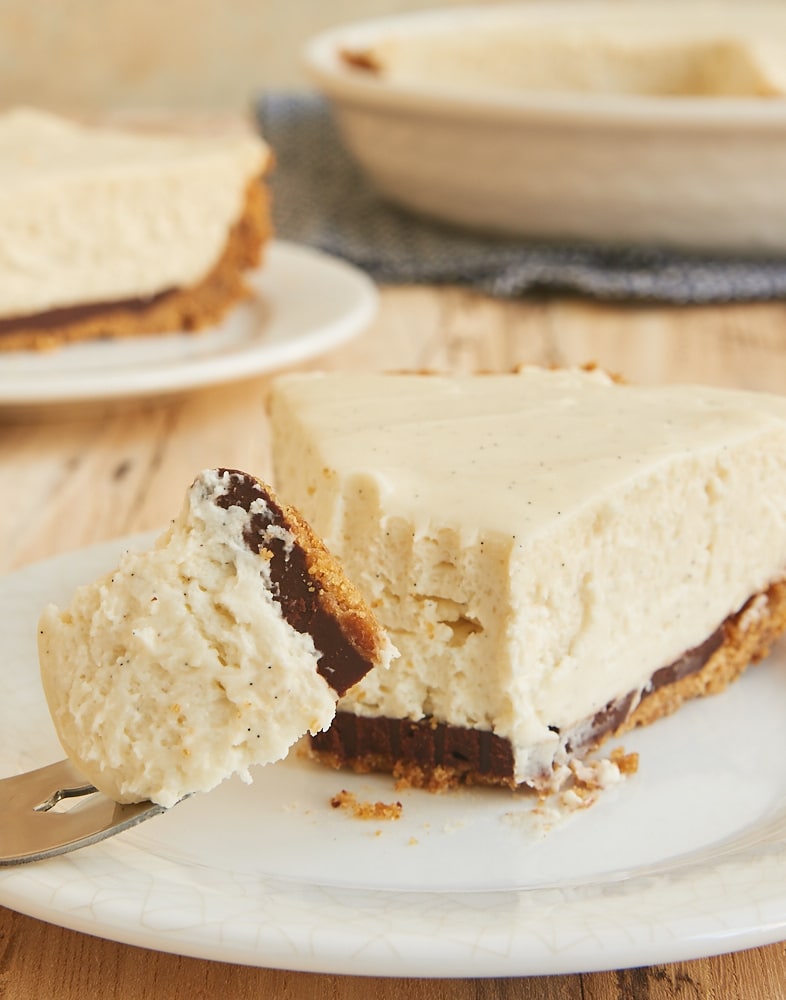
x,y
176,309
537,545
437,755
699,54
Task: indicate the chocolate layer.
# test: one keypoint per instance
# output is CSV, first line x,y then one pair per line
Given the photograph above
x,y
400,744
54,319
381,744
296,590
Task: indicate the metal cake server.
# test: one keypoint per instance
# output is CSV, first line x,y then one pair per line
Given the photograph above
x,y
33,828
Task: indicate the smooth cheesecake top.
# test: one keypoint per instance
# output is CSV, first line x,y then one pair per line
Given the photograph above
x,y
37,147
514,453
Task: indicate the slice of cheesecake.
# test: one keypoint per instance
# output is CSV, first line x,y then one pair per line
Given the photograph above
x,y
214,650
110,233
556,556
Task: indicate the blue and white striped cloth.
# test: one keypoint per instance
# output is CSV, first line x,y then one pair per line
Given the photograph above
x,y
322,199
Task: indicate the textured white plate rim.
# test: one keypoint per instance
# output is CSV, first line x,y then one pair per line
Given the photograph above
x,y
342,298
331,73
671,911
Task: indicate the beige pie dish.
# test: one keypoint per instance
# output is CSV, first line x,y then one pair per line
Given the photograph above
x,y
593,143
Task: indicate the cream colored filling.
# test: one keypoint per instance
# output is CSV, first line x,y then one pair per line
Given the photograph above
x,y
696,51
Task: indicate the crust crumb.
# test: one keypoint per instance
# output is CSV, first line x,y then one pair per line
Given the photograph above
x,y
349,802
627,763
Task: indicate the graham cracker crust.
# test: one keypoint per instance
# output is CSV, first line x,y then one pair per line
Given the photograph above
x,y
436,757
178,309
747,639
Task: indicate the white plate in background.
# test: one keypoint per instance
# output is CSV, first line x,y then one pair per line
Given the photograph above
x,y
307,303
685,859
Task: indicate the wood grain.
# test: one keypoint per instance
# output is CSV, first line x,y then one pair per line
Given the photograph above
x,y
72,477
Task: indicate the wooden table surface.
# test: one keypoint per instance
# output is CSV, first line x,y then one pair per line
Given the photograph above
x,y
69,478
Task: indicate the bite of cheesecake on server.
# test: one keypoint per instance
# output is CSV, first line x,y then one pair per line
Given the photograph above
x,y
214,650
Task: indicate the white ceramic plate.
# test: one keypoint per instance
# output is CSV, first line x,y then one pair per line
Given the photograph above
x,y
476,146
685,859
307,303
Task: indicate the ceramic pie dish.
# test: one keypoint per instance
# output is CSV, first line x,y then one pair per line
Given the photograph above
x,y
627,123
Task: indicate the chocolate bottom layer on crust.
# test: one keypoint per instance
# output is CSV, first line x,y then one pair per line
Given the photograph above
x,y
176,309
434,755
313,594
